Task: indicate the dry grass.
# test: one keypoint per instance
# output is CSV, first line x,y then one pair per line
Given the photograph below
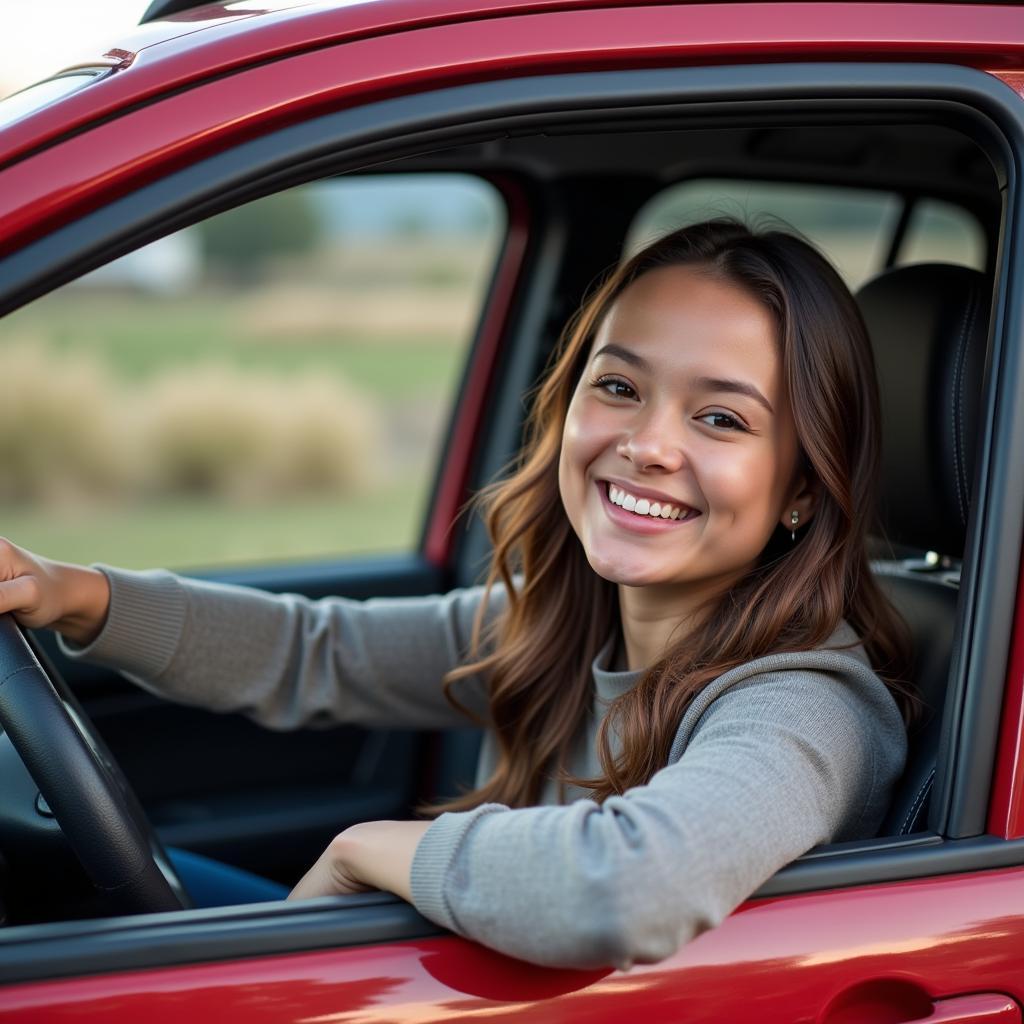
x,y
68,428
59,433
297,311
218,431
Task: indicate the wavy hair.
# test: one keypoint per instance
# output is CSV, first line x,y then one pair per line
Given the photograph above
x,y
537,654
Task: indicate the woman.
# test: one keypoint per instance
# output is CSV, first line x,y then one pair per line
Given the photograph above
x,y
688,673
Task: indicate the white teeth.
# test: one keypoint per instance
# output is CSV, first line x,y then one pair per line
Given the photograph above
x,y
643,506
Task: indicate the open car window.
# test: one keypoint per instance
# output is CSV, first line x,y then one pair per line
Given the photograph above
x,y
270,384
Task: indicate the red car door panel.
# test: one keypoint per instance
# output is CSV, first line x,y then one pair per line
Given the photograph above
x,y
900,951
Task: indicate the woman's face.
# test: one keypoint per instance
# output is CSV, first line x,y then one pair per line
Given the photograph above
x,y
679,452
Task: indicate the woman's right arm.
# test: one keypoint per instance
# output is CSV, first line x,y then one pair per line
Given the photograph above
x,y
281,659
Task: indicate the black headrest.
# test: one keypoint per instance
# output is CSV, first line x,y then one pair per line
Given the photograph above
x,y
929,328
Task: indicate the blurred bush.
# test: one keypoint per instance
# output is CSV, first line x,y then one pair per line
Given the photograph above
x,y
70,429
223,432
59,434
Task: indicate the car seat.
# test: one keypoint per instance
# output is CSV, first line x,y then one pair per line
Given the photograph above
x,y
929,329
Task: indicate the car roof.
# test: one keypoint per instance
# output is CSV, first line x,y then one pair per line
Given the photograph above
x,y
216,39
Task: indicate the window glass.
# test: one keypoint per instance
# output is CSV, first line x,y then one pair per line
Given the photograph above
x,y
851,226
943,233
271,384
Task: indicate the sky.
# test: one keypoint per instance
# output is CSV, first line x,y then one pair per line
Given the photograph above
x,y
38,37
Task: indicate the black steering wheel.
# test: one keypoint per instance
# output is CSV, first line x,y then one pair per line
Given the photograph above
x,y
91,799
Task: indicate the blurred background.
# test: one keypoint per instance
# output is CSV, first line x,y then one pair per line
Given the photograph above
x,y
39,37
274,383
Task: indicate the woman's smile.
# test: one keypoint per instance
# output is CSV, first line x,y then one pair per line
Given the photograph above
x,y
634,509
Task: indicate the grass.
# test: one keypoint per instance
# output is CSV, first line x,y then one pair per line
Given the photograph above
x,y
140,337
184,533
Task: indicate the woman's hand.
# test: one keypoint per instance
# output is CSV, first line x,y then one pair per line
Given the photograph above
x,y
39,592
372,855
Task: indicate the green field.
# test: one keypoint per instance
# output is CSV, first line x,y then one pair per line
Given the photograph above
x,y
133,341
186,534
138,337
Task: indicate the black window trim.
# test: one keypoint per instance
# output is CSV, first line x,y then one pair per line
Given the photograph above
x,y
973,101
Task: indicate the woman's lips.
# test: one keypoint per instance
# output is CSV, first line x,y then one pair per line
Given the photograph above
x,y
637,523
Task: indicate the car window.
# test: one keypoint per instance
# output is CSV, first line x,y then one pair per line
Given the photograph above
x,y
272,383
943,233
854,227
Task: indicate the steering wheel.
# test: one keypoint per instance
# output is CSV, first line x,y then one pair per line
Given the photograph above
x,y
89,795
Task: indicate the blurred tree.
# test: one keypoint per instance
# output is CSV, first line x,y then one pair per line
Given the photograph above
x,y
242,242
411,223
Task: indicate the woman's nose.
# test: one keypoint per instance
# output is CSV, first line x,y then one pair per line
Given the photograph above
x,y
653,444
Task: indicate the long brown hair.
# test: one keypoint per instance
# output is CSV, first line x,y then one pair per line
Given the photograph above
x,y
560,612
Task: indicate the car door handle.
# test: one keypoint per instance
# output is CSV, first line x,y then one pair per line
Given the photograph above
x,y
867,1004
987,1007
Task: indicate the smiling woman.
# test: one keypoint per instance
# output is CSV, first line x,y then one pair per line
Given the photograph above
x,y
654,393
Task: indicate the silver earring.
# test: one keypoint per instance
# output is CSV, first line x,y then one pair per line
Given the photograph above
x,y
794,519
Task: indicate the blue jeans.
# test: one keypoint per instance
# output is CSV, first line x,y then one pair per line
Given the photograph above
x,y
213,884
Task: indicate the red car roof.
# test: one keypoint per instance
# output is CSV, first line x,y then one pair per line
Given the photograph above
x,y
219,38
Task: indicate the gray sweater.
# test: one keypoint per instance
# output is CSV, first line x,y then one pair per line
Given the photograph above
x,y
770,759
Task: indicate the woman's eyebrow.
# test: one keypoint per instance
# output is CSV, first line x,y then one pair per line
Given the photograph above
x,y
625,355
735,387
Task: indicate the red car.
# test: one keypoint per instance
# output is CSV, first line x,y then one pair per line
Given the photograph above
x,y
897,129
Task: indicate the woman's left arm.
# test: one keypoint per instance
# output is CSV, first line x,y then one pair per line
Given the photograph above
x,y
776,764
371,855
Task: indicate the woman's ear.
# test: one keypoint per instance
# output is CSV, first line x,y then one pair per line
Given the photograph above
x,y
801,506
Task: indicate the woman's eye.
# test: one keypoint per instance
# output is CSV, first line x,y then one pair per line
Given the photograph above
x,y
722,421
615,386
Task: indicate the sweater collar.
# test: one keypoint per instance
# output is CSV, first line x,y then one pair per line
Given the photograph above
x,y
609,684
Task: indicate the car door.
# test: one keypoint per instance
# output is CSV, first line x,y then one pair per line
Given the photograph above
x,y
900,927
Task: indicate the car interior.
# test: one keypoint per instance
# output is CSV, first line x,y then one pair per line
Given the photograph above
x,y
579,189
928,321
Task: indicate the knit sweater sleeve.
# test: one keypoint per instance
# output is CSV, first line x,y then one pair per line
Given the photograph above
x,y
778,764
286,661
